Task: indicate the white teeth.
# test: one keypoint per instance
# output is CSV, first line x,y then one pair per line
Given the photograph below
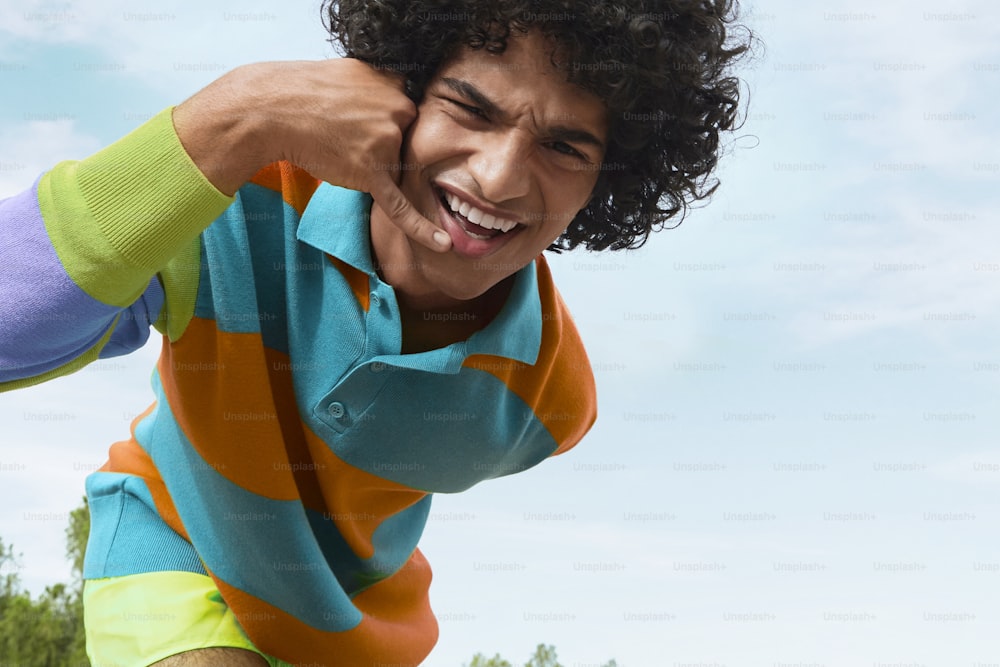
x,y
476,216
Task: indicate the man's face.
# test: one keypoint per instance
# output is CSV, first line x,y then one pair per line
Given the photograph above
x,y
503,154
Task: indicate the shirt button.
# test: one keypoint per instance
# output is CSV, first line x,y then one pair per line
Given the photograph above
x,y
336,410
374,299
377,367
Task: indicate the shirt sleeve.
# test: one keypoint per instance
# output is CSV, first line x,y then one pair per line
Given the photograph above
x,y
97,250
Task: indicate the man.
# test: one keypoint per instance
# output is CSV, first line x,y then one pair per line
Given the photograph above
x,y
331,359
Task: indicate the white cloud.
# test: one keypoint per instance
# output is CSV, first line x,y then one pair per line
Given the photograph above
x,y
29,148
173,46
893,106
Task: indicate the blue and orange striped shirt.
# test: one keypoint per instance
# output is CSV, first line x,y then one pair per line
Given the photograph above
x,y
291,451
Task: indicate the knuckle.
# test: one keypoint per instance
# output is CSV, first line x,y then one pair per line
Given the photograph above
x,y
391,201
400,214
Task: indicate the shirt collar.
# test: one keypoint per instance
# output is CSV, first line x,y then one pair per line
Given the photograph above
x,y
516,331
336,221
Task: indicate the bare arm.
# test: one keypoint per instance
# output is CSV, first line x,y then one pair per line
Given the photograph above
x,y
339,119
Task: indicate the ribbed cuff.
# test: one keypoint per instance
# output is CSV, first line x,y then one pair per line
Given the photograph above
x,y
118,217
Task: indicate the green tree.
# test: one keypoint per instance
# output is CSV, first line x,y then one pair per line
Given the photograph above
x,y
480,660
47,632
77,533
76,541
544,656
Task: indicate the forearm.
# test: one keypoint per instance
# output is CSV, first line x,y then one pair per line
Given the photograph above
x,y
220,130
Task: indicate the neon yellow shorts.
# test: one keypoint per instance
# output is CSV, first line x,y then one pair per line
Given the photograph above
x,y
136,620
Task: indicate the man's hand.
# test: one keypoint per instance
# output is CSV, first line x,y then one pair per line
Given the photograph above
x,y
340,120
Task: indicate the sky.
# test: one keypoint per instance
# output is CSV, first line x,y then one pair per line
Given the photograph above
x,y
796,459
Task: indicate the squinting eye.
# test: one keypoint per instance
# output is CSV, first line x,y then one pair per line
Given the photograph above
x,y
471,110
565,149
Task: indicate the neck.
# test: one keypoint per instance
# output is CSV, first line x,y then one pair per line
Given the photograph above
x,y
429,328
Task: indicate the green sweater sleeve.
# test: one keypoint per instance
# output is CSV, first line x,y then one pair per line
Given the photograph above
x,y
129,212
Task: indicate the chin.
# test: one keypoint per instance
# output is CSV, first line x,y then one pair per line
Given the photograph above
x,y
465,291
456,278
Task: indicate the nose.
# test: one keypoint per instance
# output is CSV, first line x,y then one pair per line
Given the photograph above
x,y
501,165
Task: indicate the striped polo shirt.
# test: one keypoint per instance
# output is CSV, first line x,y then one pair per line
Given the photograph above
x,y
291,451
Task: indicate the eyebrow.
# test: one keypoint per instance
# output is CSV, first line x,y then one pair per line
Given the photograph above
x,y
490,108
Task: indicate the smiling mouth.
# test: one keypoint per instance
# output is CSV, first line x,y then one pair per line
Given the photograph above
x,y
475,223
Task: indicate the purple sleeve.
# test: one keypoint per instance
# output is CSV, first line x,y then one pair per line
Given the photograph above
x,y
46,321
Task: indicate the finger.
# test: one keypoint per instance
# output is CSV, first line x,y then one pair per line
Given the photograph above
x,y
402,214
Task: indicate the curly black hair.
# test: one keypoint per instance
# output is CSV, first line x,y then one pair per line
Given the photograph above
x,y
662,67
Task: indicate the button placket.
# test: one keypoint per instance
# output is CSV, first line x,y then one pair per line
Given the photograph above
x,y
382,333
346,403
